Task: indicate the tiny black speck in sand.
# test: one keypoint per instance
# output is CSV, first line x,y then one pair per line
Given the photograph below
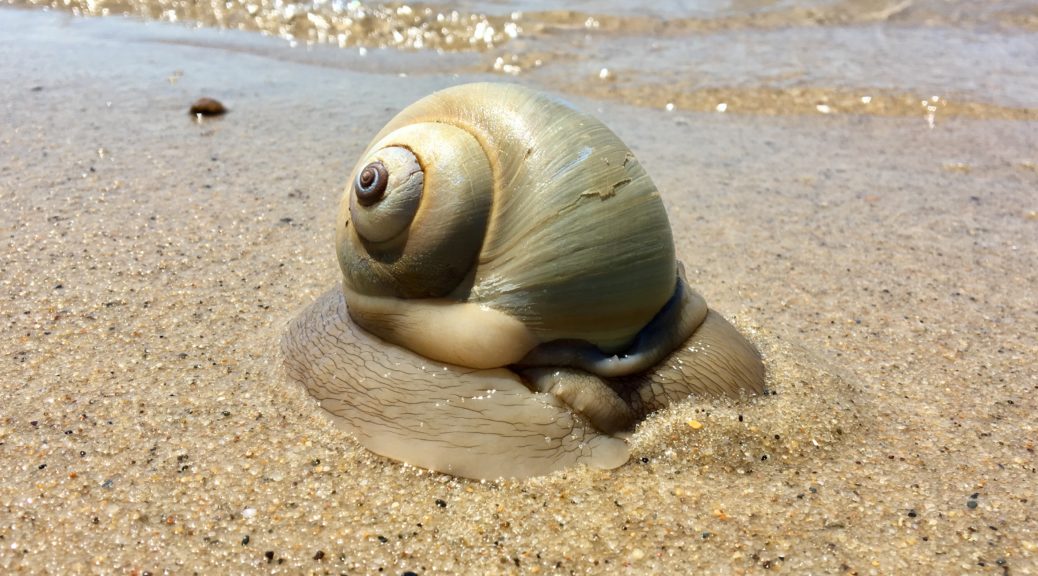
x,y
207,107
971,504
441,503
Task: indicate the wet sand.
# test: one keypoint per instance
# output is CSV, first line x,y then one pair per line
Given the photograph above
x,y
885,264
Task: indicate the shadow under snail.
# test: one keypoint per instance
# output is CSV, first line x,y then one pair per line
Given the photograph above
x,y
511,304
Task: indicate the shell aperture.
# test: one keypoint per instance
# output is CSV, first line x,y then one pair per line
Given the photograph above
x,y
511,303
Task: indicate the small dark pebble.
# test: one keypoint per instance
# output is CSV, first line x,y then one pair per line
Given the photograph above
x,y
382,539
36,89
207,107
107,483
59,286
706,535
42,466
269,555
286,220
975,495
912,514
971,504
245,540
34,422
441,503
409,573
319,555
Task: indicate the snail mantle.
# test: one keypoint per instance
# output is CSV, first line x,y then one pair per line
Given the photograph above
x,y
511,304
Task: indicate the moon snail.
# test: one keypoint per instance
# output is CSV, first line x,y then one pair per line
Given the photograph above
x,y
511,303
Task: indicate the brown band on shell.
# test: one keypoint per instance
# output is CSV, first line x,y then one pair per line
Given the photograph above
x,y
371,183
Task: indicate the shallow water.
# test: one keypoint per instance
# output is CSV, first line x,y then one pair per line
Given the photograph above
x,y
883,261
873,57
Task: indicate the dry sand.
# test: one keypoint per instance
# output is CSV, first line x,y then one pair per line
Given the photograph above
x,y
886,268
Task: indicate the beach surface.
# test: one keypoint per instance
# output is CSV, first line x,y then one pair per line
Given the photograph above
x,y
883,258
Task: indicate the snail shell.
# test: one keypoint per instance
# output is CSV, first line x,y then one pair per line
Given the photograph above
x,y
511,302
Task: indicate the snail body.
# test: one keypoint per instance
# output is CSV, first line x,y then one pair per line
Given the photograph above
x,y
511,302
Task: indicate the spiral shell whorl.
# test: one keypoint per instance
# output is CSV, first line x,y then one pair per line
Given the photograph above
x,y
577,242
417,245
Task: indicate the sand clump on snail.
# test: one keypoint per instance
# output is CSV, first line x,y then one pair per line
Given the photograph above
x,y
511,302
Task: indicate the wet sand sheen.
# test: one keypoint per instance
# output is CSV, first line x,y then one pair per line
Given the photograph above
x,y
884,268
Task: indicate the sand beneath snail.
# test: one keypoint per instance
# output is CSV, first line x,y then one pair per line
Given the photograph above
x,y
885,268
810,408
